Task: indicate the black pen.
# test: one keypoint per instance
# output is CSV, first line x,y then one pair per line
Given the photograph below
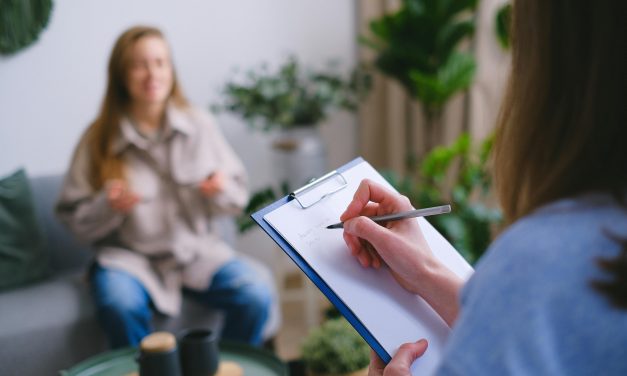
x,y
404,215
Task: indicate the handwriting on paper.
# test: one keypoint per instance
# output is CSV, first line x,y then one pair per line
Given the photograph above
x,y
312,235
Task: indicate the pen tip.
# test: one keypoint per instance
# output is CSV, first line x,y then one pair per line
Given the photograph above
x,y
337,225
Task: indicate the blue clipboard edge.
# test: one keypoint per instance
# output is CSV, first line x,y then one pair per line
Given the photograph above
x,y
311,273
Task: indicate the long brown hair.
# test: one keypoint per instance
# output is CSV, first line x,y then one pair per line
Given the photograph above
x,y
104,163
563,126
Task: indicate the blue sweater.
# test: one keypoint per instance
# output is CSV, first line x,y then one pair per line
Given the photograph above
x,y
529,308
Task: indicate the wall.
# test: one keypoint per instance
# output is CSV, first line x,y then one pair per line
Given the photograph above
x,y
50,91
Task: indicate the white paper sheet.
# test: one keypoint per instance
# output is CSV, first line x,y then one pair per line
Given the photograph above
x,y
392,315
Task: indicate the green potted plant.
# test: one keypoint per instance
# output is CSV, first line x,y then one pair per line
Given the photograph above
x,y
419,46
291,96
335,348
294,100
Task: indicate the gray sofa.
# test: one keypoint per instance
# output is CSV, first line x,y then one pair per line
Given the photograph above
x,y
51,325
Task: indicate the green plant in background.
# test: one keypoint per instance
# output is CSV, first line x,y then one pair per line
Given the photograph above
x,y
21,22
419,47
293,96
502,23
460,169
258,200
335,348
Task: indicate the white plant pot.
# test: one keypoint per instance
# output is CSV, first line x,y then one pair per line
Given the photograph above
x,y
300,155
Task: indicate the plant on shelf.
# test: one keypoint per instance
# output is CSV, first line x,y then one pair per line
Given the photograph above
x,y
335,348
456,174
419,46
293,96
295,100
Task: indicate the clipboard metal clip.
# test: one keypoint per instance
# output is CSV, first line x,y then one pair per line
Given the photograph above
x,y
316,183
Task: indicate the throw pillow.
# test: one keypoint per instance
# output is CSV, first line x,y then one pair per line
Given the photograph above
x,y
22,256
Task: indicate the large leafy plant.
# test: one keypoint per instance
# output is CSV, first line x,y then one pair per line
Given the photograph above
x,y
456,174
419,46
293,96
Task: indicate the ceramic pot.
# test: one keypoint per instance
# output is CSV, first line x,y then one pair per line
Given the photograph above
x,y
300,155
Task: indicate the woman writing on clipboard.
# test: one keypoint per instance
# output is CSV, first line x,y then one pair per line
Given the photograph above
x,y
550,295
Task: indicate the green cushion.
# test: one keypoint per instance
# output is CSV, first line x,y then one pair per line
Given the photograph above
x,y
22,255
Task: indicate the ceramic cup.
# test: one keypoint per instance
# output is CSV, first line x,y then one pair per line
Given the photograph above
x,y
158,355
199,352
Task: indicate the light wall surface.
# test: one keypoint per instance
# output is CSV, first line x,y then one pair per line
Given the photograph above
x,y
51,91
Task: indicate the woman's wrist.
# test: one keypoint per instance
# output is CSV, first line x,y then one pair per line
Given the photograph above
x,y
440,288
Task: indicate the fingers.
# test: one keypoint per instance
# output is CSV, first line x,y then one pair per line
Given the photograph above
x,y
401,362
369,191
115,189
373,258
371,209
376,365
213,184
120,197
363,251
378,236
406,355
366,192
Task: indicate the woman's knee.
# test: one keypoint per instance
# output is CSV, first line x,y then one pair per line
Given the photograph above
x,y
118,291
256,298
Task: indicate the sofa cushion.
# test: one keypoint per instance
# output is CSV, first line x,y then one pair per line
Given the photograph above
x,y
22,255
65,251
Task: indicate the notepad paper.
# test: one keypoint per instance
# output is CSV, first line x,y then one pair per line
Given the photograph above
x,y
391,314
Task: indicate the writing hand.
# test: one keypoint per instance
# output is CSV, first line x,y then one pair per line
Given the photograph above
x,y
120,197
401,361
213,184
400,244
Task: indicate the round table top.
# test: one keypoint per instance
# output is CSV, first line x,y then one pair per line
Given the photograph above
x,y
252,360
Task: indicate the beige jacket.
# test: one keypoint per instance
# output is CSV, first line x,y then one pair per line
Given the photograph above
x,y
166,241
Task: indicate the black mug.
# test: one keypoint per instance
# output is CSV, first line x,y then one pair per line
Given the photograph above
x,y
159,356
199,352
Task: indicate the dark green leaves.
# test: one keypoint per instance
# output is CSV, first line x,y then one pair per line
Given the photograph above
x,y
293,97
417,46
502,24
21,21
454,75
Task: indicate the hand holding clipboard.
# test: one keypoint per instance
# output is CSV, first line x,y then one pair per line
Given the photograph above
x,y
297,224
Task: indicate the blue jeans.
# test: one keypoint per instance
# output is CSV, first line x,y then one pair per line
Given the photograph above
x,y
125,308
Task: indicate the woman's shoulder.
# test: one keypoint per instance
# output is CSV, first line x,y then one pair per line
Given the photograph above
x,y
569,225
553,249
531,292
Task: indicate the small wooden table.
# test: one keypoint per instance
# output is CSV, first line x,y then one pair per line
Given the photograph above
x,y
252,360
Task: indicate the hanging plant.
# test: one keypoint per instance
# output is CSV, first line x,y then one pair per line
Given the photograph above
x,y
21,22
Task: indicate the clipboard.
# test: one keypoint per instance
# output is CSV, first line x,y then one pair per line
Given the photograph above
x,y
324,192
